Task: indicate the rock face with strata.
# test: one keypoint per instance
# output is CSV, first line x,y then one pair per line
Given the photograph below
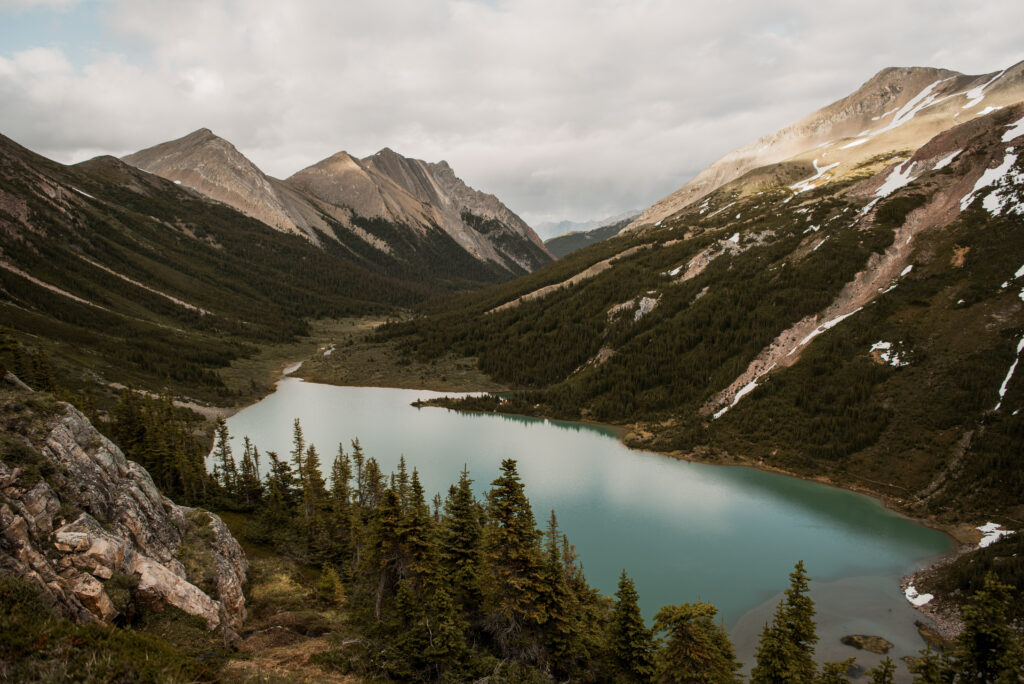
x,y
96,515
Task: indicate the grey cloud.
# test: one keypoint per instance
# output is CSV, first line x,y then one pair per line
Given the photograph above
x,y
572,110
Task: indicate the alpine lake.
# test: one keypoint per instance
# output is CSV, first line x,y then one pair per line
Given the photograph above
x,y
683,531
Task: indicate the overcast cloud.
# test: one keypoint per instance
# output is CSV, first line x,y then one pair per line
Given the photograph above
x,y
565,109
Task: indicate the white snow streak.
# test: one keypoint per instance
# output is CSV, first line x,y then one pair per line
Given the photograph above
x,y
808,183
1009,374
82,192
995,201
1016,128
827,326
899,178
721,210
987,110
855,143
992,532
946,161
907,270
976,95
745,390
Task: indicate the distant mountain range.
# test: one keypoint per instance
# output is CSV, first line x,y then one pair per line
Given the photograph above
x,y
399,207
573,240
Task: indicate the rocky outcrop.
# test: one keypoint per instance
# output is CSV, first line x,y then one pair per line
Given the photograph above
x,y
80,514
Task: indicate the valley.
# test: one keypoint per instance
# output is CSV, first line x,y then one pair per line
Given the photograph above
x,y
840,302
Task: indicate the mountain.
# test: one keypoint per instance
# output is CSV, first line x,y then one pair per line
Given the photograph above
x,y
859,324
556,228
897,109
571,241
385,207
119,275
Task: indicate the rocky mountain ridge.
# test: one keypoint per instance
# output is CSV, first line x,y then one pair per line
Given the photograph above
x,y
343,193
77,518
897,109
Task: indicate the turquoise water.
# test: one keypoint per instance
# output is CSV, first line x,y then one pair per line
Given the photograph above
x,y
683,531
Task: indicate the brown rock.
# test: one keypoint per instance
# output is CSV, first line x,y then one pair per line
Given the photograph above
x,y
90,592
874,644
102,572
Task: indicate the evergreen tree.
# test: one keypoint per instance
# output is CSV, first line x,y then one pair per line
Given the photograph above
x,y
249,485
514,591
630,643
299,459
563,643
419,544
696,649
462,546
988,650
448,652
785,652
885,673
224,459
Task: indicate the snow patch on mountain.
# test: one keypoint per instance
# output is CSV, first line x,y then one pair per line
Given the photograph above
x,y
899,178
997,200
992,532
976,95
1009,375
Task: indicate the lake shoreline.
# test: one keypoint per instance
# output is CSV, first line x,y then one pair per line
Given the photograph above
x,y
946,625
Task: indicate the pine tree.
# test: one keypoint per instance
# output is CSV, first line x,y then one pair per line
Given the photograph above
x,y
885,673
567,656
249,485
448,651
462,546
988,650
419,544
696,650
785,652
222,455
299,458
314,491
515,588
630,643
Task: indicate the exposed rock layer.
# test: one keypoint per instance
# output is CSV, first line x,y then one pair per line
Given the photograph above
x,y
97,514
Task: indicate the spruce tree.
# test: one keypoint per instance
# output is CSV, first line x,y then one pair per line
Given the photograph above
x,y
988,650
462,546
223,457
630,643
514,590
785,653
885,673
696,649
249,485
563,643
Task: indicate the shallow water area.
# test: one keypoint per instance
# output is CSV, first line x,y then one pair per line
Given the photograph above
x,y
683,531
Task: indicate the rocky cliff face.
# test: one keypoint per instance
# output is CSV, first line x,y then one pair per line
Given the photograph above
x,y
897,109
423,196
77,518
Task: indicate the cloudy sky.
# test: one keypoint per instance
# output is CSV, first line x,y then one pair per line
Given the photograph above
x,y
565,109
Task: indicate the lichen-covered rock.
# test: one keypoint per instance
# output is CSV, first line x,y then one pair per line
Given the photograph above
x,y
120,524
